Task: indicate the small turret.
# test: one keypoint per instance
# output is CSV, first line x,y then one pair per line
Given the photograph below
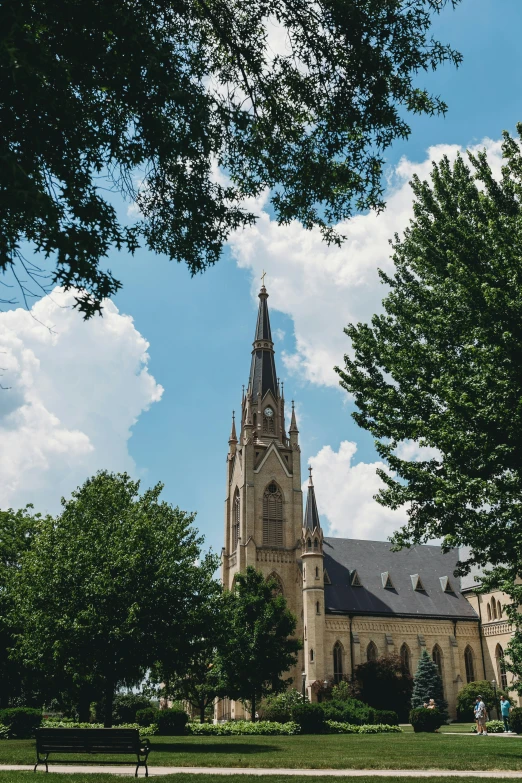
x,y
232,441
313,589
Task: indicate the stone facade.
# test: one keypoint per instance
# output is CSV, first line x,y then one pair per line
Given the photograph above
x,y
264,528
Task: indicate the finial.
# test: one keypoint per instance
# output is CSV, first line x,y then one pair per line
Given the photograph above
x,y
282,388
310,482
263,278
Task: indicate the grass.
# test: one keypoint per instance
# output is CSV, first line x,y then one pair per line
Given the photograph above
x,y
26,777
372,751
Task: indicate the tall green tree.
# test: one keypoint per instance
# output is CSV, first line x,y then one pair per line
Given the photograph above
x,y
260,647
161,93
109,587
442,366
17,531
427,684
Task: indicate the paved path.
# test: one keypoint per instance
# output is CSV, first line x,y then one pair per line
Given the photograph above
x,y
334,773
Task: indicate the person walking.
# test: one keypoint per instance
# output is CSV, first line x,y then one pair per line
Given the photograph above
x,y
505,709
480,716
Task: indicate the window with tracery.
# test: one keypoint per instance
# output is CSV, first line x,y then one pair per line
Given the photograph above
x,y
338,662
436,657
278,589
469,664
371,652
405,657
493,609
273,516
235,520
489,612
501,666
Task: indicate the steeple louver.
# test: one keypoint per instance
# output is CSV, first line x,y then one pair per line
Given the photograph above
x,y
263,376
311,519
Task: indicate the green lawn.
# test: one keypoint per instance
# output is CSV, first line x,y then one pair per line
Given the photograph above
x,y
372,751
25,777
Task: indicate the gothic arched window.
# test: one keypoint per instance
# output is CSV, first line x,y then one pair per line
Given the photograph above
x,y
405,657
493,608
436,656
317,607
469,664
278,589
316,543
371,652
489,612
273,515
235,520
499,610
501,666
312,656
338,662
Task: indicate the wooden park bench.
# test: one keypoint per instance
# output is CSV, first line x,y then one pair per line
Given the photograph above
x,y
106,741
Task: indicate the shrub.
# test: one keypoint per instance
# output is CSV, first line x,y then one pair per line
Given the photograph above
x,y
333,727
126,706
21,721
4,731
145,731
310,717
515,719
423,719
238,727
279,707
384,717
493,727
347,711
467,695
147,716
172,722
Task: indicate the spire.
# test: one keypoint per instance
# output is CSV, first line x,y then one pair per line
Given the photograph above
x,y
311,518
233,436
293,423
263,376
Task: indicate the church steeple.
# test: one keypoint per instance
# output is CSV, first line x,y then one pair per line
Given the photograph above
x,y
263,376
311,517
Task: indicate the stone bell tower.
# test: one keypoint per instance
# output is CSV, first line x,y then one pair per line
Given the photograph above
x,y
264,504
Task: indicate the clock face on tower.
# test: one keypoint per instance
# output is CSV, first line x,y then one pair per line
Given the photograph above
x,y
268,412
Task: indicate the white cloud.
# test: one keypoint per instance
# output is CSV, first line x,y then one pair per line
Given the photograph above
x,y
324,288
345,493
412,451
76,390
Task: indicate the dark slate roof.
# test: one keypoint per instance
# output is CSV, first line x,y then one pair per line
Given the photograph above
x,y
311,517
263,373
262,369
370,559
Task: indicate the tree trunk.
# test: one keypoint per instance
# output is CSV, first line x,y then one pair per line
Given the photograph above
x,y
253,718
108,699
202,708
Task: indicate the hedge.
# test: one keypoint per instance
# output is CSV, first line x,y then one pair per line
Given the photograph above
x,y
234,727
4,731
21,721
145,731
334,727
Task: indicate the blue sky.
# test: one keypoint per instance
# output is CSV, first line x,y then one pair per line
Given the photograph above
x,y
200,329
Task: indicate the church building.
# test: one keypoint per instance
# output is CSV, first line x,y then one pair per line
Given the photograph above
x,y
354,600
